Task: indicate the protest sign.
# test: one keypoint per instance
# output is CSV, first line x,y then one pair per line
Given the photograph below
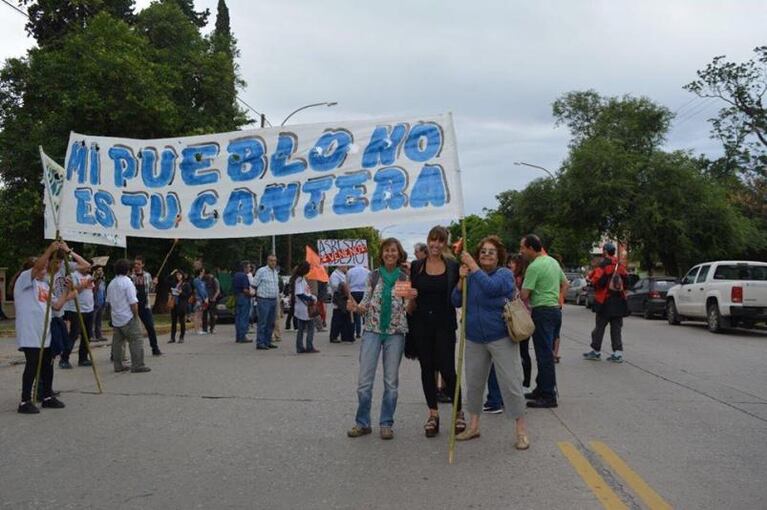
x,y
53,178
343,252
261,182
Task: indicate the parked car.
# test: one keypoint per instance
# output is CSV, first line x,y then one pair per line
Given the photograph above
x,y
724,294
574,291
648,296
586,297
225,309
572,276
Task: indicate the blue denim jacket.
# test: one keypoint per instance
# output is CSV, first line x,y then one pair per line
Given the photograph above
x,y
487,295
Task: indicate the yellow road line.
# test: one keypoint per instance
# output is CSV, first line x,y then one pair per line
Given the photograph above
x,y
651,498
594,480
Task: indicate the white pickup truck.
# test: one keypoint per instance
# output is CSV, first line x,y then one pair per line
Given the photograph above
x,y
725,294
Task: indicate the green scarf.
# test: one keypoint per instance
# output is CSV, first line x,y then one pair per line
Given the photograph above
x,y
389,279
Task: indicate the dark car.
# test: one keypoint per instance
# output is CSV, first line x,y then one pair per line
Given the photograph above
x,y
648,296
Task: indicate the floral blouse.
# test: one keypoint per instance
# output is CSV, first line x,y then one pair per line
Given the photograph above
x,y
372,302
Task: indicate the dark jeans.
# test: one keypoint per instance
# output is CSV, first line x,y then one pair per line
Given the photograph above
x,y
341,324
308,327
527,363
436,353
145,314
98,317
494,397
30,369
74,332
178,314
289,319
267,314
241,316
358,317
209,318
546,320
616,326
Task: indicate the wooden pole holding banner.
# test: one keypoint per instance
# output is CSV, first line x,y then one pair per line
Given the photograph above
x,y
461,348
162,266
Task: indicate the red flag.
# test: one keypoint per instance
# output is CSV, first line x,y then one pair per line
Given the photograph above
x,y
317,272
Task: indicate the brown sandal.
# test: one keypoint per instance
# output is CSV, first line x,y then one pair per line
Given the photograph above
x,y
431,428
460,423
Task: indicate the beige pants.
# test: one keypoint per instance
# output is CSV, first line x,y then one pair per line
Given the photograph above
x,y
130,334
277,331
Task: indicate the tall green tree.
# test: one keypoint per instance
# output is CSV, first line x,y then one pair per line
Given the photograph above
x,y
50,20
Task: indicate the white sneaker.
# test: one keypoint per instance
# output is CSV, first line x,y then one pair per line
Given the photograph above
x,y
202,332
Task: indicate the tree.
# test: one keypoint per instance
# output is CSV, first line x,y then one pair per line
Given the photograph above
x,y
49,20
742,124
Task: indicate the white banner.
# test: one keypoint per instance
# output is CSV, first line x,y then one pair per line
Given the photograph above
x,y
261,182
53,178
343,252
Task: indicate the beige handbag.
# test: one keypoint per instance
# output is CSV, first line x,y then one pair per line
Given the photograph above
x,y
518,321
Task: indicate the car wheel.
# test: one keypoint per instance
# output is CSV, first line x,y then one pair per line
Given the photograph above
x,y
646,313
716,323
671,315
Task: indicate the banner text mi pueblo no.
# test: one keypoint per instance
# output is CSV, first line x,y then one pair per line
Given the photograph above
x,y
263,182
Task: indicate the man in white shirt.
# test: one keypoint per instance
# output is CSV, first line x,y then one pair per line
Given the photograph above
x,y
266,282
358,278
341,323
81,282
121,296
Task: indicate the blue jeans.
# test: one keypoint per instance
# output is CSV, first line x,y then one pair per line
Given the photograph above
x,y
302,326
241,315
267,314
392,346
546,322
494,397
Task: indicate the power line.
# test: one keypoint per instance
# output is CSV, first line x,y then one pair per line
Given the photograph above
x,y
9,4
250,108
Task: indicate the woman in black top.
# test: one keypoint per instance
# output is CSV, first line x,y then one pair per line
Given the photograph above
x,y
181,291
433,322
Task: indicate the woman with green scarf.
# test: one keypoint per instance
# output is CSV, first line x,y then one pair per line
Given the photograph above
x,y
385,329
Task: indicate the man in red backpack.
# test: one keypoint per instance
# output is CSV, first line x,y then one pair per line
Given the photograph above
x,y
609,280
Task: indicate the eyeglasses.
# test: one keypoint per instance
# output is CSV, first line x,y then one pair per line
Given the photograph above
x,y
488,251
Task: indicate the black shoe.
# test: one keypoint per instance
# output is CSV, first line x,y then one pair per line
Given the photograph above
x,y
53,403
156,352
533,395
542,403
140,370
172,341
262,348
65,365
122,369
335,341
85,363
28,408
272,346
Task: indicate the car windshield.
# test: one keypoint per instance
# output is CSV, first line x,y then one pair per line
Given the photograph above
x,y
741,272
664,284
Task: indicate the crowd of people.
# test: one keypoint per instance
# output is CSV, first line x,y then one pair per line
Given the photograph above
x,y
401,308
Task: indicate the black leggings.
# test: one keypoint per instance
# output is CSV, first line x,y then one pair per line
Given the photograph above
x,y
527,363
177,313
436,353
46,373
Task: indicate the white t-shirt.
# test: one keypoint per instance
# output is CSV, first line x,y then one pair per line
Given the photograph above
x,y
336,279
30,298
358,278
121,293
86,295
59,287
300,310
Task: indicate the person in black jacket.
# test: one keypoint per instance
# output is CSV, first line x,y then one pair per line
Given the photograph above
x,y
181,291
433,319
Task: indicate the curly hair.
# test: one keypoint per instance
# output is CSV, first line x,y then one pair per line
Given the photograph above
x,y
499,247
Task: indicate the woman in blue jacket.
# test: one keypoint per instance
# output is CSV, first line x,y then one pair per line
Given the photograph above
x,y
489,287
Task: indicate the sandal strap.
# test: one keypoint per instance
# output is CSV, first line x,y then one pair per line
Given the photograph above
x,y
432,423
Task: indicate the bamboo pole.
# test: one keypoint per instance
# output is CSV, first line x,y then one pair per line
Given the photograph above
x,y
36,384
83,329
461,348
162,266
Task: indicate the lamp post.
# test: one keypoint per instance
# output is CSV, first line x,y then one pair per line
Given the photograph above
x,y
522,163
263,118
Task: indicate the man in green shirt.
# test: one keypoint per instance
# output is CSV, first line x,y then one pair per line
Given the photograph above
x,y
543,281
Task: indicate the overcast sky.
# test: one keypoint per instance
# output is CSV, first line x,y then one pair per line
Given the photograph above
x,y
497,65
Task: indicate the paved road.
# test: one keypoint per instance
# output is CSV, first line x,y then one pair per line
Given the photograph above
x,y
219,425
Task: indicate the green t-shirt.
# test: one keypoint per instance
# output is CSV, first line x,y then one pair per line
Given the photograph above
x,y
542,279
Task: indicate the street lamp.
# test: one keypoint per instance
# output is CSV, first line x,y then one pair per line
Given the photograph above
x,y
522,163
306,107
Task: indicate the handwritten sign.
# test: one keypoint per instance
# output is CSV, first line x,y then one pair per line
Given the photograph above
x,y
343,252
265,181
